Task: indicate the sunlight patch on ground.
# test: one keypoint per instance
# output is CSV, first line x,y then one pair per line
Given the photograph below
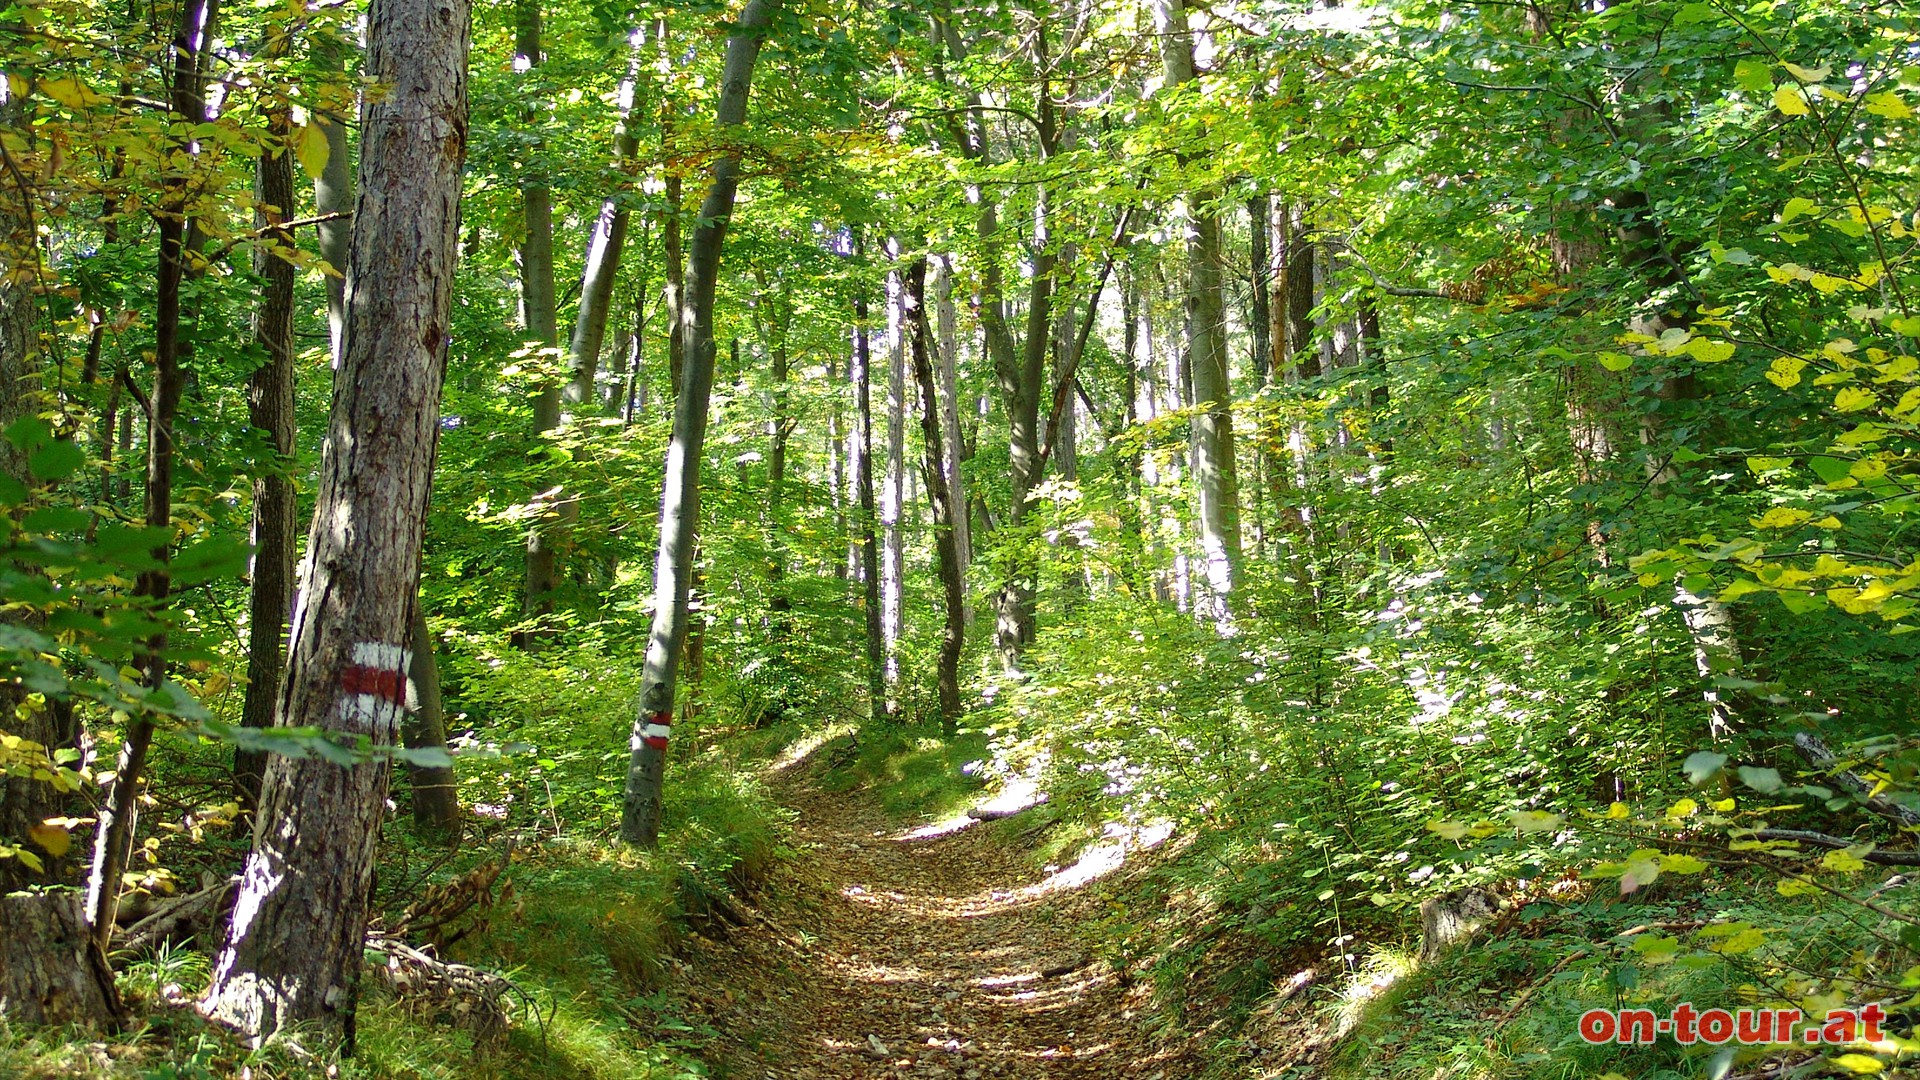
x,y
1106,856
804,747
1377,976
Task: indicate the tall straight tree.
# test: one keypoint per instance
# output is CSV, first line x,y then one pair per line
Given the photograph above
x,y
953,632
538,313
680,494
1213,460
866,541
180,236
270,408
294,950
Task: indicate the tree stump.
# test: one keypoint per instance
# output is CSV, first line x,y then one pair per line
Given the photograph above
x,y
1446,921
50,973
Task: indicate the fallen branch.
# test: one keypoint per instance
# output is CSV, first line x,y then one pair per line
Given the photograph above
x,y
1820,757
180,917
1822,840
465,998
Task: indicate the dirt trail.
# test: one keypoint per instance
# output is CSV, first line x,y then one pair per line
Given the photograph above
x,y
912,953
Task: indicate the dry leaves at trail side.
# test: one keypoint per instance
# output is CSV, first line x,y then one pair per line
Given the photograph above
x,y
894,953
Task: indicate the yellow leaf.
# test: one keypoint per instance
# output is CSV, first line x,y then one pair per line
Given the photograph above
x,y
16,86
310,146
1614,361
1617,812
1808,75
1846,860
1829,522
1681,864
1447,830
1851,601
1532,821
1852,399
1868,468
1909,401
1789,100
1683,808
1888,104
1722,804
1785,371
1794,887
1708,351
72,93
53,839
1858,1063
1782,517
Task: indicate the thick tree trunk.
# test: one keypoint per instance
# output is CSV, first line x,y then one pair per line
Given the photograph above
x,y
436,795
604,249
179,235
866,540
293,952
680,495
537,312
270,408
940,497
50,970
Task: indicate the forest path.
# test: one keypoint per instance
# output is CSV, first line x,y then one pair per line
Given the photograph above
x,y
928,952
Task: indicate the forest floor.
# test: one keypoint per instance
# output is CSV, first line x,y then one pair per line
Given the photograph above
x,y
929,952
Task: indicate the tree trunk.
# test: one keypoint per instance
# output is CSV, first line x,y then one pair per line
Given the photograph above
x,y
893,494
946,376
538,314
680,495
940,497
436,795
24,801
178,235
333,194
50,970
293,952
1215,475
867,541
270,409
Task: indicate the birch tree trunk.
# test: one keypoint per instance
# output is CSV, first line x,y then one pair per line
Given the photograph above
x,y
680,495
293,951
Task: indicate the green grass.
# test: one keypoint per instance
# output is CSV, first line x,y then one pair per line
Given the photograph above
x,y
913,773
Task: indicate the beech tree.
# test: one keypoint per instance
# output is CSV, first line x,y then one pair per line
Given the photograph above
x,y
680,495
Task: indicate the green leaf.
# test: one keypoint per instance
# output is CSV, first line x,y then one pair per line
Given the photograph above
x,y
1703,765
55,461
1752,76
1797,207
1764,781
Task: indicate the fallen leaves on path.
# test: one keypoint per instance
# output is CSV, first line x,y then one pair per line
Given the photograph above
x,y
912,955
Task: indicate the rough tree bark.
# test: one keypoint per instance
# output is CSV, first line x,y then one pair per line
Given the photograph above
x,y
946,374
50,970
680,494
293,951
